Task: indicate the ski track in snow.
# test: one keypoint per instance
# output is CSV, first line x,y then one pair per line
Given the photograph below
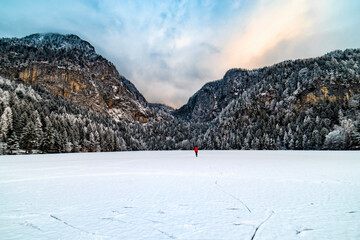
x,y
228,193
257,228
231,195
76,228
173,195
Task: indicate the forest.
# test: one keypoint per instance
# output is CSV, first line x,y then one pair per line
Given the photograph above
x,y
310,104
35,121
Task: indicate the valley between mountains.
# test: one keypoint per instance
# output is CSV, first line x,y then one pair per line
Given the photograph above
x,y
58,95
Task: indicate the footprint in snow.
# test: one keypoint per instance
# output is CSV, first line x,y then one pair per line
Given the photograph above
x,y
303,230
29,224
232,209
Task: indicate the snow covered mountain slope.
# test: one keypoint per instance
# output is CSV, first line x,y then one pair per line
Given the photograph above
x,y
206,103
173,195
334,77
69,67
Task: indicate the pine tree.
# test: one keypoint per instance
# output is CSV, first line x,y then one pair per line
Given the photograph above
x,y
92,142
304,142
3,148
28,137
291,144
356,137
6,123
286,140
38,131
278,143
47,143
59,145
13,143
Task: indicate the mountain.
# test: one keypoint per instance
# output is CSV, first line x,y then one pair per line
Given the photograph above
x,y
206,103
161,107
58,95
331,77
302,104
70,67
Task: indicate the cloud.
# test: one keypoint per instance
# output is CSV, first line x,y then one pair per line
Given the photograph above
x,y
280,30
270,24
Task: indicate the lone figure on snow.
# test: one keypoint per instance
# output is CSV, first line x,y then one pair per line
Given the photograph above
x,y
196,151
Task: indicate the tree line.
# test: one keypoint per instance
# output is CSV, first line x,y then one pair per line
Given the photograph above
x,y
302,105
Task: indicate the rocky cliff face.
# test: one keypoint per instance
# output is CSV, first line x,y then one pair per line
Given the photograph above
x,y
69,67
206,103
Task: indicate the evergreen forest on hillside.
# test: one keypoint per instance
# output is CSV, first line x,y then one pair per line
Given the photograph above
x,y
35,121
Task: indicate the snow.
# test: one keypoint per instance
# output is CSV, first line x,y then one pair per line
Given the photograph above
x,y
174,195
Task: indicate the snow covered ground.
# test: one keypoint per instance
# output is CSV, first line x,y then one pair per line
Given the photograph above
x,y
173,195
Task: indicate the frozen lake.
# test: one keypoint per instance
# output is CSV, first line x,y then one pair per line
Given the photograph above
x,y
173,195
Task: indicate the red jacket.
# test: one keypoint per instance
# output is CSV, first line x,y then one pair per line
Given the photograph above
x,y
196,149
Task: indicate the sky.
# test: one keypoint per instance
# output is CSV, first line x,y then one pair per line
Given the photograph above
x,y
170,49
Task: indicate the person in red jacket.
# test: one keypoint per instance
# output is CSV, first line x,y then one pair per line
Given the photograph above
x,y
196,151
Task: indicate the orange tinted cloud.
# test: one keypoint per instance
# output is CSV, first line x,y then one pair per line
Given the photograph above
x,y
271,23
